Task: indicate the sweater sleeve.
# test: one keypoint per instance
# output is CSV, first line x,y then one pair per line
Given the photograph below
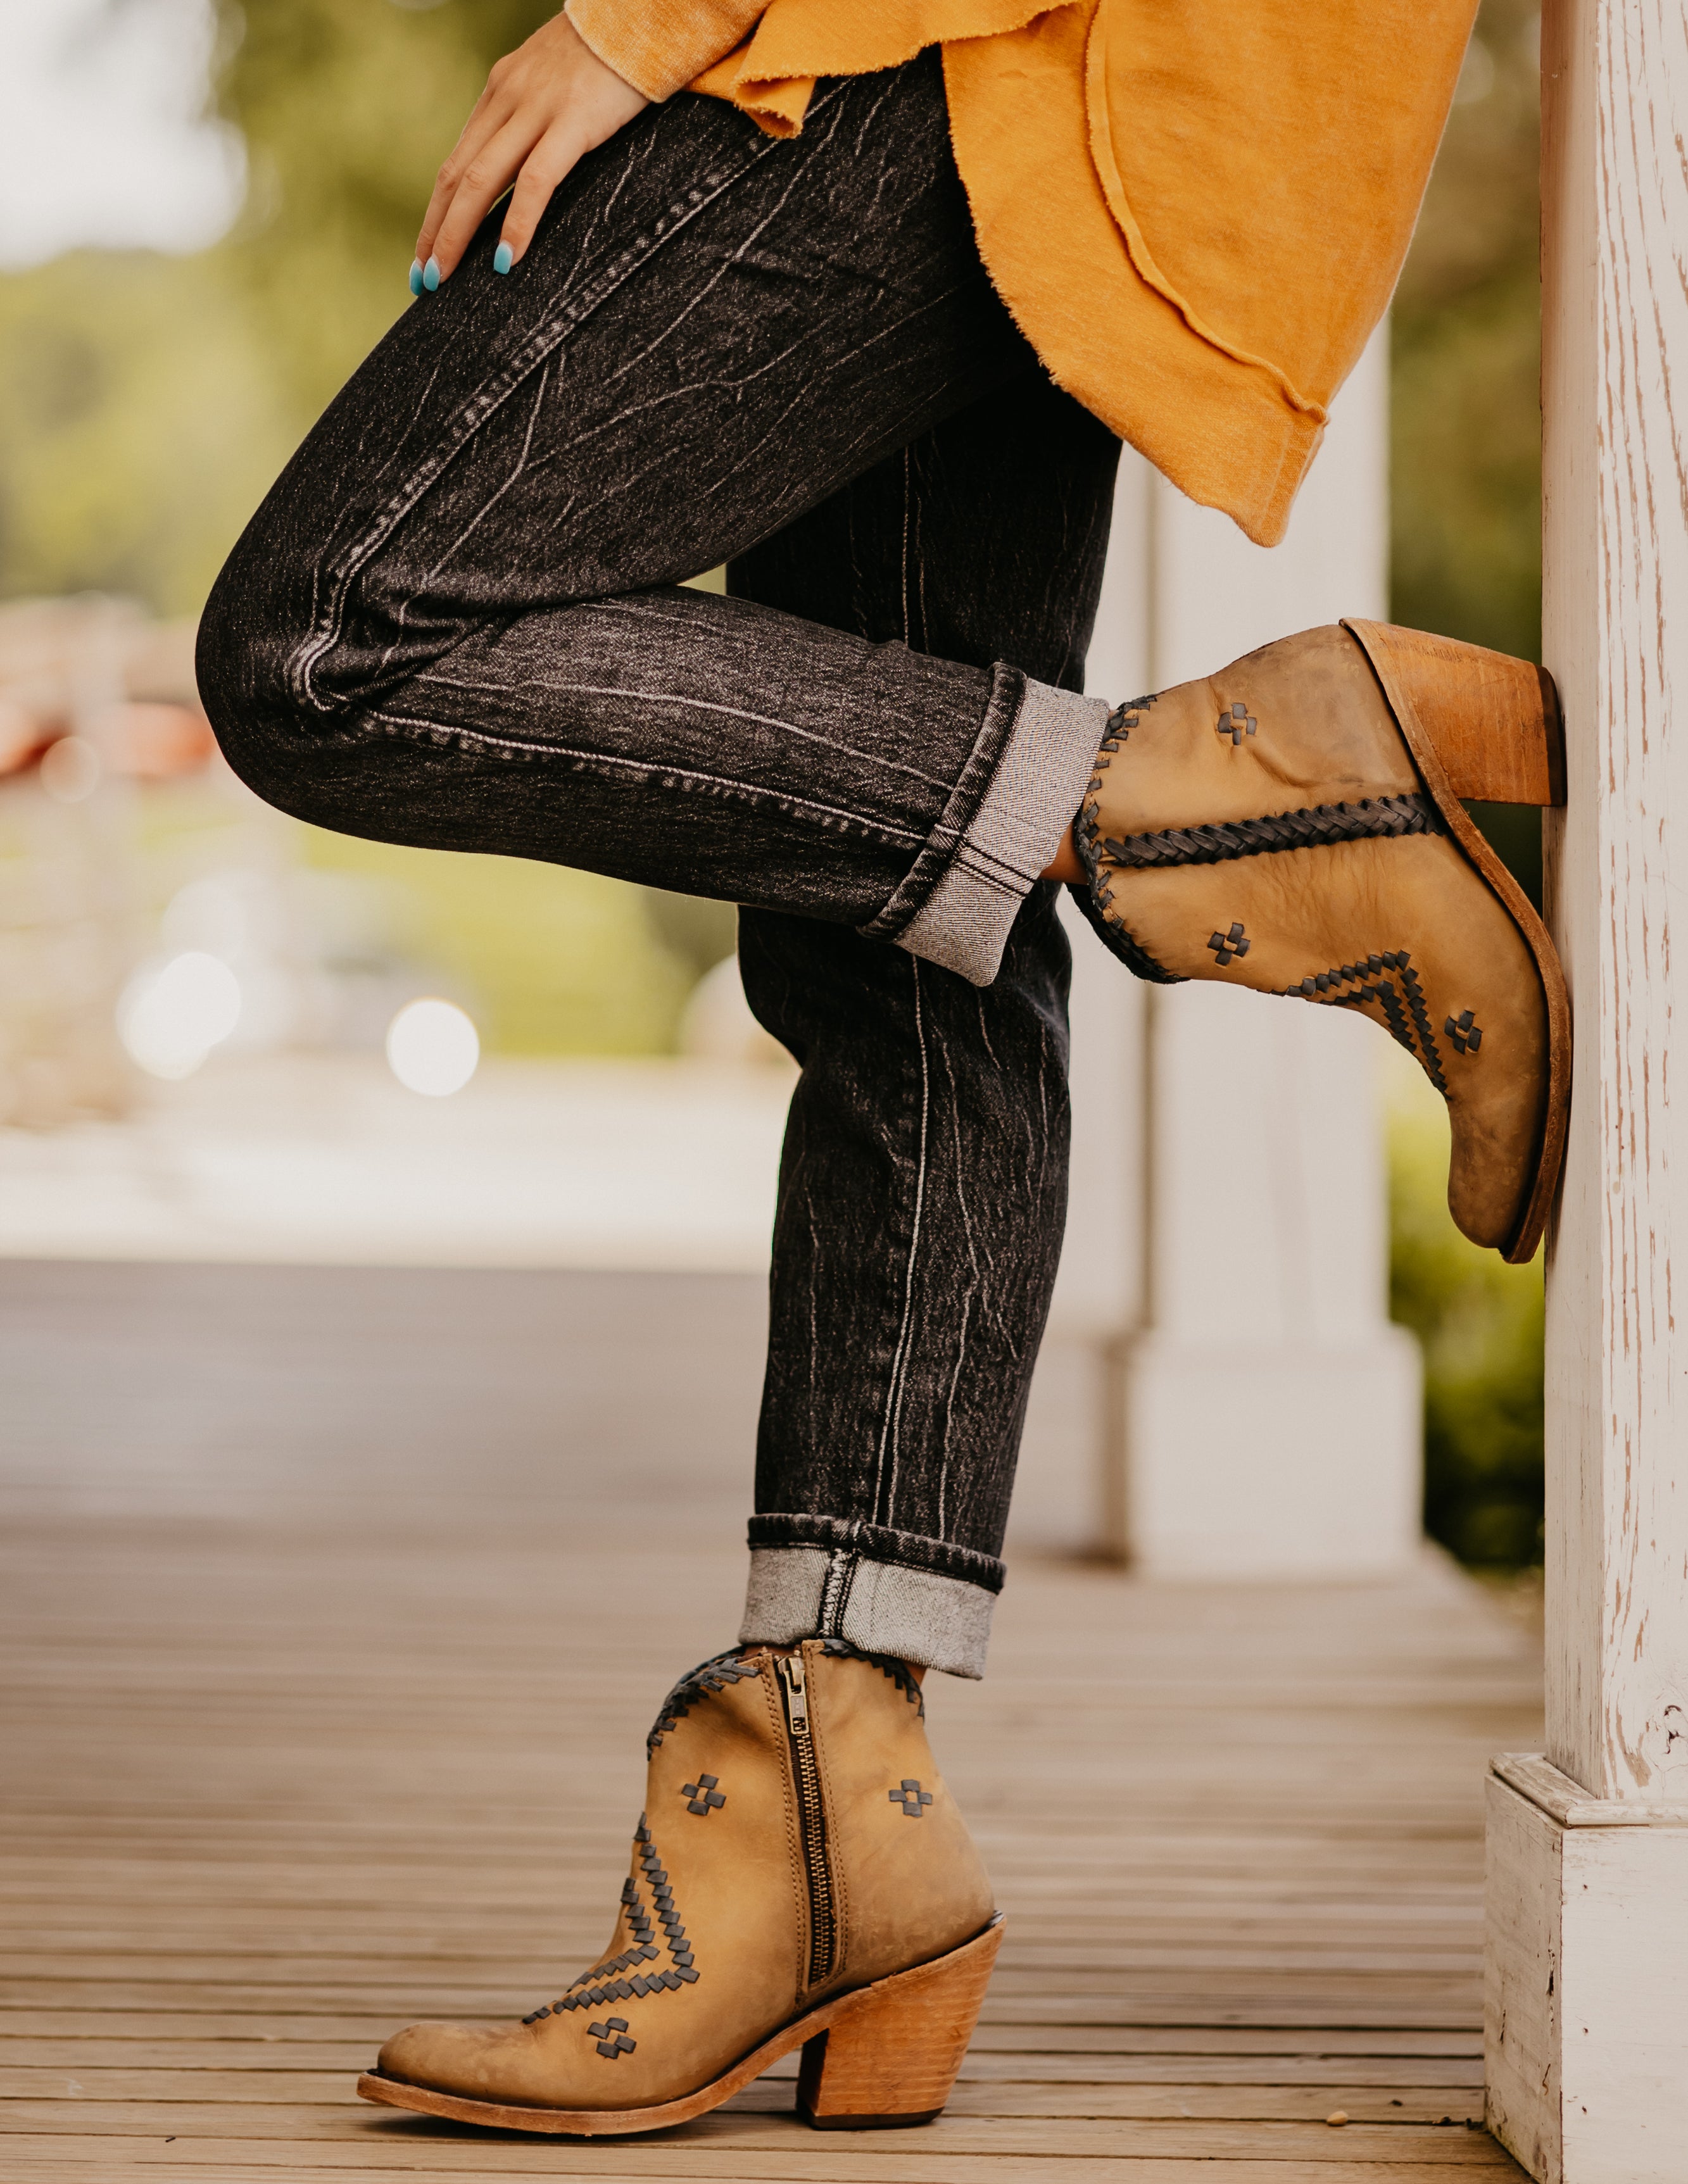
x,y
661,46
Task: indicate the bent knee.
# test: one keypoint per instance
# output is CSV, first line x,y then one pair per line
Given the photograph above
x,y
251,642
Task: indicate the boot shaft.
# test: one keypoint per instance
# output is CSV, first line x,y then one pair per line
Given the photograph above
x,y
804,1779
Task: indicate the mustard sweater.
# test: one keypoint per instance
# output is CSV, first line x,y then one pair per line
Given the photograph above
x,y
1195,209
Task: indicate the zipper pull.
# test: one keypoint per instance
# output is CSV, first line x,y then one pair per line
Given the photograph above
x,y
796,1693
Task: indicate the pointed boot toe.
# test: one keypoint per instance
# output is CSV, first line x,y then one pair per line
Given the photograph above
x,y
454,2058
1294,824
800,1878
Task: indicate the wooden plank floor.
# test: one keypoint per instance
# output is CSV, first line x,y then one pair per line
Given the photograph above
x,y
335,1606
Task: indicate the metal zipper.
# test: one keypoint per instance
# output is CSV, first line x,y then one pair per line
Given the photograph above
x,y
812,1818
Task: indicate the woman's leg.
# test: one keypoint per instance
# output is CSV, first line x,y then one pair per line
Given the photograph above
x,y
447,624
923,1187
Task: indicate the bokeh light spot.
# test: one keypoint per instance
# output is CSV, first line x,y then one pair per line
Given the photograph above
x,y
432,1047
171,1016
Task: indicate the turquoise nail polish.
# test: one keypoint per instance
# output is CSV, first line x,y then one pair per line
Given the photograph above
x,y
430,275
503,259
416,276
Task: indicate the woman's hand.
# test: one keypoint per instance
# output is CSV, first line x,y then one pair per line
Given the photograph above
x,y
545,106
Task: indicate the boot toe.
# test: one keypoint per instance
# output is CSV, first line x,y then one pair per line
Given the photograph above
x,y
449,2058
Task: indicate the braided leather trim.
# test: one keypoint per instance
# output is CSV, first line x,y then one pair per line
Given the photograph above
x,y
1317,827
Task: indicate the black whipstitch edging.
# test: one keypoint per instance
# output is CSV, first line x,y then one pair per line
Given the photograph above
x,y
711,1675
886,1663
1363,976
1096,901
1373,817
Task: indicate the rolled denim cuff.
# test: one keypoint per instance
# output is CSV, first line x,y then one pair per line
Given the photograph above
x,y
919,1600
964,891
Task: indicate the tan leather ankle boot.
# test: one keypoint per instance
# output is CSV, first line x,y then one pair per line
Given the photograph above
x,y
800,1878
1293,823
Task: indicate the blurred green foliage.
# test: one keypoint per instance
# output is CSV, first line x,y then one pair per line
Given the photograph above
x,y
1480,1323
147,403
1466,473
139,426
1466,518
550,962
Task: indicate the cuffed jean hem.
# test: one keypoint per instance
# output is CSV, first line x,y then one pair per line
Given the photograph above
x,y
842,1589
1046,764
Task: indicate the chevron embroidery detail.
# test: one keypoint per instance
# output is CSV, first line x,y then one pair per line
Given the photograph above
x,y
608,1981
1399,999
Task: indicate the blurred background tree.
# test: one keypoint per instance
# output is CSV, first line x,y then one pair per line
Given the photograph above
x,y
147,401
1466,550
1467,469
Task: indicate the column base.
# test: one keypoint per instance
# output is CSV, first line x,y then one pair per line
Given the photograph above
x,y
1585,1998
1302,1460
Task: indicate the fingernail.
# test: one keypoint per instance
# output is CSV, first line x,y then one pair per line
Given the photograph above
x,y
430,275
416,276
503,259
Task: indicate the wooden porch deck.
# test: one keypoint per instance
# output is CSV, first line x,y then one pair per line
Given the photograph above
x,y
335,1606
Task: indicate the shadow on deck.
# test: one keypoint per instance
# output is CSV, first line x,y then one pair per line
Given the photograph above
x,y
336,1604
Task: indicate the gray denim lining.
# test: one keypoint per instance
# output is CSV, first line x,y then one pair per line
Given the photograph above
x,y
1038,785
884,1608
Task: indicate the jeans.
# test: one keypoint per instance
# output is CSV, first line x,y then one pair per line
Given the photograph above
x,y
455,623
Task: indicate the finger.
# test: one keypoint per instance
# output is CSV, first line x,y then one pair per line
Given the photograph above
x,y
552,159
490,113
483,181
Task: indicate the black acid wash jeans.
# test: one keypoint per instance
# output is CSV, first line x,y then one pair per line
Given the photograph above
x,y
455,623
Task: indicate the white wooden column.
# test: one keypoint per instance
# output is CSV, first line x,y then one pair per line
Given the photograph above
x,y
1229,1239
1587,1999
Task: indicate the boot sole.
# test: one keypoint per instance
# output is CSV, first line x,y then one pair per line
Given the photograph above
x,y
881,2058
1482,726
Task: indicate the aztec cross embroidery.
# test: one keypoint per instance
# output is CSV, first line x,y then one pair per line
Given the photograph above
x,y
1228,946
612,2038
1236,721
911,1797
1465,1032
706,1797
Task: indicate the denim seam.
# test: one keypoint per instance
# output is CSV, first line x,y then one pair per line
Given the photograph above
x,y
534,351
841,1569
687,780
884,1489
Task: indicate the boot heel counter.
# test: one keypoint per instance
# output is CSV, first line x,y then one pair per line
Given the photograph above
x,y
1491,724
